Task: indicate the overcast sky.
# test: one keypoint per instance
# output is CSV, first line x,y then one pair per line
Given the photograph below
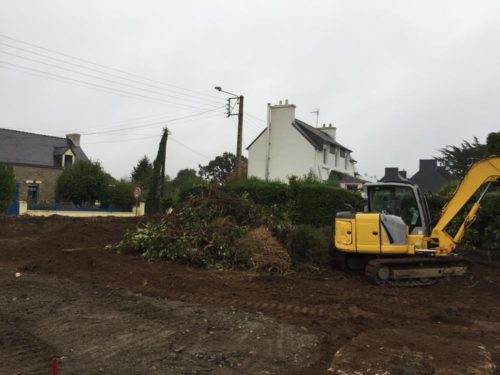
x,y
399,79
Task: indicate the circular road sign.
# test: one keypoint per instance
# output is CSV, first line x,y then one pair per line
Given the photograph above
x,y
137,192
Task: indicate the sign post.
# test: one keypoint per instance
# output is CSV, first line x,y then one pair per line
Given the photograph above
x,y
137,194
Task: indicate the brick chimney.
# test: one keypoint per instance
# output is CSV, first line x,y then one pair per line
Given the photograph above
x,y
74,138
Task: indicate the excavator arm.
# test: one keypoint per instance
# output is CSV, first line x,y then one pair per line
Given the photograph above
x,y
483,172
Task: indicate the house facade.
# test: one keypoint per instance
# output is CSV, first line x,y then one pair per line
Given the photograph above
x,y
289,147
38,160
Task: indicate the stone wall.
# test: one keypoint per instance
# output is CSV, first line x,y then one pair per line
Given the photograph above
x,y
45,178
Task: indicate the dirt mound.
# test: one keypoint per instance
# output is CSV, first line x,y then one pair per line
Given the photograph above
x,y
405,351
265,251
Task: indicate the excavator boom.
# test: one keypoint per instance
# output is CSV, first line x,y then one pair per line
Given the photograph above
x,y
483,172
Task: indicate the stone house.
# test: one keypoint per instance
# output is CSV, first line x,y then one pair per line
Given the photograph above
x,y
38,160
289,147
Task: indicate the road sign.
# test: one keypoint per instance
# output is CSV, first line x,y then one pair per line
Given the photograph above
x,y
137,192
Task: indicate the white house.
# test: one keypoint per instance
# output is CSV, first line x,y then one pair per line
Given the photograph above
x,y
289,147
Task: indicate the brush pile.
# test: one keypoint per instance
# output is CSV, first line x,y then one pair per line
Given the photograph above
x,y
219,230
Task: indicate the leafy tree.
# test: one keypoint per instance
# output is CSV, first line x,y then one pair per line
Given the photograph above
x,y
142,172
219,169
493,144
121,194
83,183
157,181
185,177
7,187
458,159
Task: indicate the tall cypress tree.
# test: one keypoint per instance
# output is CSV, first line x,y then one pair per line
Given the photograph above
x,y
154,195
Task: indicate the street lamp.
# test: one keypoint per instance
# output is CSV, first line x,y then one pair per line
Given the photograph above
x,y
240,126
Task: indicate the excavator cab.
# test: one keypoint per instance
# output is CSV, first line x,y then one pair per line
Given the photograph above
x,y
404,200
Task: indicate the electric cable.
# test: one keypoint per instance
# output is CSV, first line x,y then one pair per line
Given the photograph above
x,y
103,66
97,77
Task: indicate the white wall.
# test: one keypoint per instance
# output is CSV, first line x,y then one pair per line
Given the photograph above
x,y
290,153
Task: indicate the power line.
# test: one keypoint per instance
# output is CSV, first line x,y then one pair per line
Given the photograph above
x,y
122,92
255,117
103,66
133,120
82,84
203,101
151,137
154,123
190,149
97,77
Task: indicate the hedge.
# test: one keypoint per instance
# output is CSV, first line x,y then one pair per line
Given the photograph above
x,y
261,192
316,203
7,187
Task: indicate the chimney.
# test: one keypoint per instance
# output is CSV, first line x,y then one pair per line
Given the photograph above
x,y
74,138
428,165
330,130
403,174
282,114
391,174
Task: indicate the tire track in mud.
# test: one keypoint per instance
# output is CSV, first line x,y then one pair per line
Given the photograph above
x,y
352,311
262,306
22,351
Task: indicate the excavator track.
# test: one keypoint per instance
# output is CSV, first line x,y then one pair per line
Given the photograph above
x,y
414,271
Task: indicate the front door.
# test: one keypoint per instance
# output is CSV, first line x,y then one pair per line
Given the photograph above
x,y
14,207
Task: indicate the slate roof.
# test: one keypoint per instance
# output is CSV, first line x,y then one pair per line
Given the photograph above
x,y
393,174
346,178
17,147
430,177
315,136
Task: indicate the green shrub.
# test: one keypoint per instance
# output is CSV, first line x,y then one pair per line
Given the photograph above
x,y
436,203
83,182
485,231
121,194
487,225
261,192
316,204
7,187
186,192
307,244
304,201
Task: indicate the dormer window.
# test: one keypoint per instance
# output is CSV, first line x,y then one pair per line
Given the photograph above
x,y
68,160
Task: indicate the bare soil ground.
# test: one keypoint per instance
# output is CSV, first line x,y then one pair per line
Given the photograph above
x,y
109,313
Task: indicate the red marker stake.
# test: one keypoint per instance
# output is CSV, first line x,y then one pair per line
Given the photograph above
x,y
54,366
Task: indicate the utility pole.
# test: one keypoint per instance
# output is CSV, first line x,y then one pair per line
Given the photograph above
x,y
239,140
240,137
162,174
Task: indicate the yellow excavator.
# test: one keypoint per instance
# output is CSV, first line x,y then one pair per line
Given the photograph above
x,y
393,240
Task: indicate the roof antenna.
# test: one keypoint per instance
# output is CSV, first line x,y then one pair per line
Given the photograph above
x,y
316,110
